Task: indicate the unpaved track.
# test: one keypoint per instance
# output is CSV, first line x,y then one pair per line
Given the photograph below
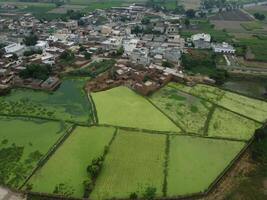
x,y
6,194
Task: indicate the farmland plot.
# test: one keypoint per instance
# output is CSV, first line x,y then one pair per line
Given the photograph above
x,y
122,107
207,92
134,162
230,125
22,144
194,163
67,167
69,102
187,111
252,108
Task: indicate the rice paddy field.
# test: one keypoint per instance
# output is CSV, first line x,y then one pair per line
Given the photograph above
x,y
227,124
122,107
135,161
246,106
68,165
68,103
178,140
23,144
194,163
189,112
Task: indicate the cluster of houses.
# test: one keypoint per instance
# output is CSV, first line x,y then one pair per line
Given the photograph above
x,y
147,39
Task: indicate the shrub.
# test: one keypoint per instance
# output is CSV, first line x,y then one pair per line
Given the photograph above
x,y
150,193
133,195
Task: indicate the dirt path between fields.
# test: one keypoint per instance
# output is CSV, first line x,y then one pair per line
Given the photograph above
x,y
6,194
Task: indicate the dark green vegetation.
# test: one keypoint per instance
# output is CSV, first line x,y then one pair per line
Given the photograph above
x,y
206,27
257,47
30,40
252,86
94,69
203,62
36,71
69,102
23,144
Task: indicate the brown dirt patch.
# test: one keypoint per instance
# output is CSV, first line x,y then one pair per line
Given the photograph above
x,y
232,178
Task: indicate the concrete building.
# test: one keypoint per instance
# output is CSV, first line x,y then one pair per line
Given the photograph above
x,y
112,43
42,45
201,40
223,48
140,56
15,48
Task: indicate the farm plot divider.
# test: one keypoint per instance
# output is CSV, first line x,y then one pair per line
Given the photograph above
x,y
49,153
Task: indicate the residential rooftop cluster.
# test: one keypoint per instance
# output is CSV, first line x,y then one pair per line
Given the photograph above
x,y
148,41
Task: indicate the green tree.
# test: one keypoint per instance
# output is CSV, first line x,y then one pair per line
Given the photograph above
x,y
187,22
259,16
150,193
167,64
30,40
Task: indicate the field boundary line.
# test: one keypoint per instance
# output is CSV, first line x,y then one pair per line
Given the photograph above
x,y
50,152
218,105
42,118
166,166
140,129
94,111
146,131
207,122
179,126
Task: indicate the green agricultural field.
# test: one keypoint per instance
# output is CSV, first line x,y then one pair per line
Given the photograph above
x,y
189,112
249,107
227,124
252,108
22,144
69,102
194,163
122,107
135,161
69,163
207,92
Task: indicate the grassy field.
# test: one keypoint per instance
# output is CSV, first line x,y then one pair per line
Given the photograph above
x,y
187,111
68,165
252,108
69,102
206,27
22,144
194,163
230,125
134,162
250,26
243,105
122,107
210,93
257,47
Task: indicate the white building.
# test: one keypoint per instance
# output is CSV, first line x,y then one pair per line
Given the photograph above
x,y
129,46
201,40
42,45
223,48
140,56
15,48
112,43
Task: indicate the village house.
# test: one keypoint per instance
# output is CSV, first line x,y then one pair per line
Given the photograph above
x,y
201,40
223,48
